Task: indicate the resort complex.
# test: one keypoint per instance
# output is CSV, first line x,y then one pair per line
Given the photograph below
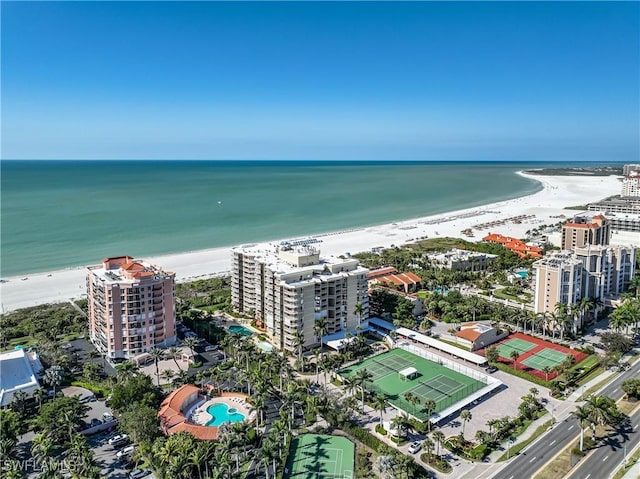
x,y
290,288
131,307
438,356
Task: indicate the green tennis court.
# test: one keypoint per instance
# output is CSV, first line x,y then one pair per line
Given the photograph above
x,y
434,381
515,344
314,456
546,358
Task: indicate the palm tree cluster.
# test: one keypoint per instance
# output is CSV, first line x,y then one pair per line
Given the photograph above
x,y
625,316
597,411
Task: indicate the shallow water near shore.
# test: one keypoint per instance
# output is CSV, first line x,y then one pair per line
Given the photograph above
x,y
58,214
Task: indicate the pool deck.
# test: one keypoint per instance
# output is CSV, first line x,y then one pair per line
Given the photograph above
x,y
199,414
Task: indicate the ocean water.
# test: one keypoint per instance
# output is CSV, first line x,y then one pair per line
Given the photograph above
x,y
58,214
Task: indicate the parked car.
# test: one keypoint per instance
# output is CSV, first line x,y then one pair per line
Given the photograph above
x,y
118,438
414,447
95,422
491,369
139,473
126,452
211,348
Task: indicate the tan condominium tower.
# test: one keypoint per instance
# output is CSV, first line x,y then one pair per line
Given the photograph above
x,y
289,288
599,272
585,230
131,307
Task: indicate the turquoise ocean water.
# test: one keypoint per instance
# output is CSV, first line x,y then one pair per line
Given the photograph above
x,y
59,214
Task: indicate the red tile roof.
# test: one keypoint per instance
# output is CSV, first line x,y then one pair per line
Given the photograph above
x,y
469,334
376,273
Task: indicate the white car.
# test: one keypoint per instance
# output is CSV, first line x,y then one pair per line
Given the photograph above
x,y
414,447
118,438
127,451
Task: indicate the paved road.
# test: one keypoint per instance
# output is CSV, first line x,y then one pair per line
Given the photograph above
x,y
601,462
536,455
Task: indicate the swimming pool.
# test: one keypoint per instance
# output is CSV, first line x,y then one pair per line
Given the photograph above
x,y
220,413
265,346
240,330
522,274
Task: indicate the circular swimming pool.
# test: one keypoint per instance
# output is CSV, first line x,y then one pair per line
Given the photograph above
x,y
221,413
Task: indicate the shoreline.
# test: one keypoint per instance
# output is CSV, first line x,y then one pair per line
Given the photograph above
x,y
546,206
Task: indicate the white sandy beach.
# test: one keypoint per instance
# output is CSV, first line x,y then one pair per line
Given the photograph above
x,y
546,206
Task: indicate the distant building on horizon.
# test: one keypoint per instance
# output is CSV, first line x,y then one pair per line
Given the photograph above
x,y
631,185
630,169
585,230
288,288
131,307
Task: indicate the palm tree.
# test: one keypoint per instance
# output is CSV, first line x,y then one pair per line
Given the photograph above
x,y
358,310
466,416
583,415
321,329
514,357
429,407
173,353
298,343
412,399
439,437
546,370
157,355
428,446
168,375
380,404
39,395
53,377
362,377
191,343
127,369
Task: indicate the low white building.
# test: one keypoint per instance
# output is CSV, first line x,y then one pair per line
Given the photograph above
x,y
19,370
477,335
462,260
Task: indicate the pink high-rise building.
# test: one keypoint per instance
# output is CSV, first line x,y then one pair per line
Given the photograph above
x,y
131,307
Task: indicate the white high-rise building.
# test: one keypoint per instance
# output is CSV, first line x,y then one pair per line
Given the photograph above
x,y
288,288
631,185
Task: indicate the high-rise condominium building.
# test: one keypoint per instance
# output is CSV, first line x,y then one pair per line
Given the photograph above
x,y
558,280
289,288
585,230
630,169
600,272
631,185
131,307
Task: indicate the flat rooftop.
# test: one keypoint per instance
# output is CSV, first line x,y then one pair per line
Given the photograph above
x,y
16,374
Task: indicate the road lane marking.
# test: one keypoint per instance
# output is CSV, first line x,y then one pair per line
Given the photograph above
x,y
534,458
552,442
606,457
587,476
571,427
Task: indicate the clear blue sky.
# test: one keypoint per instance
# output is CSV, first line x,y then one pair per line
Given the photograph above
x,y
406,81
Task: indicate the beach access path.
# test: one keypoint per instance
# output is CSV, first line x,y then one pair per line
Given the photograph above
x,y
545,206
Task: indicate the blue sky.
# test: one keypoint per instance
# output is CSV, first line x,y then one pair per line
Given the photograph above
x,y
336,81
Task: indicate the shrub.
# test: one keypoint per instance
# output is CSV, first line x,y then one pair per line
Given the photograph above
x,y
381,430
96,389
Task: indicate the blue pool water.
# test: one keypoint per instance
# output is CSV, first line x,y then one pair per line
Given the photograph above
x,y
221,413
267,347
522,274
240,330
